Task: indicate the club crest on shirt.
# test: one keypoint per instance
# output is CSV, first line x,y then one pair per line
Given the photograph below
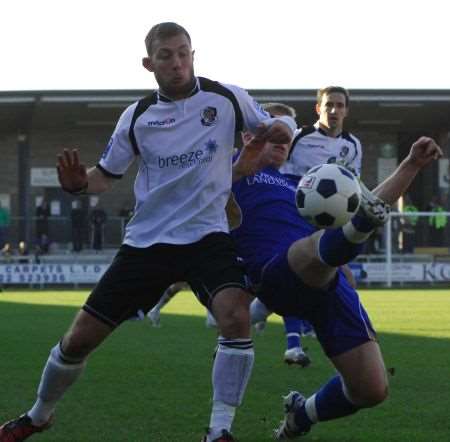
x,y
344,151
209,116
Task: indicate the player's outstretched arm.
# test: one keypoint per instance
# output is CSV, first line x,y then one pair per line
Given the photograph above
x,y
75,178
422,152
278,132
250,159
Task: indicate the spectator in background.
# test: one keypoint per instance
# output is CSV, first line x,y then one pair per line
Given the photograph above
x,y
97,219
42,248
4,224
23,253
437,222
7,252
78,218
409,224
126,214
42,215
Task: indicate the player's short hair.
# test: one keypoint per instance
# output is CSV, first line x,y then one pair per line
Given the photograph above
x,y
279,109
329,90
163,31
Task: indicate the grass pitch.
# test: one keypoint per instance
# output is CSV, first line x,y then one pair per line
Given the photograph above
x,y
153,384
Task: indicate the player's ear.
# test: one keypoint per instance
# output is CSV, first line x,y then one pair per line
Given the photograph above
x,y
193,53
147,63
317,108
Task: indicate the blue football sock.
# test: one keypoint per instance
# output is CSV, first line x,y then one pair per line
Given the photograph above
x,y
335,249
292,328
306,327
362,224
331,402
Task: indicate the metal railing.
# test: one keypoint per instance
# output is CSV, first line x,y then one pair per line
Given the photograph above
x,y
429,242
60,232
409,249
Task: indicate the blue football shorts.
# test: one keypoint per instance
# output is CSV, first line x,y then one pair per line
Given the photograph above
x,y
337,315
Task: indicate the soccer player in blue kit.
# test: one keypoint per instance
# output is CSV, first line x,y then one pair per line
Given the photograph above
x,y
294,268
182,136
324,142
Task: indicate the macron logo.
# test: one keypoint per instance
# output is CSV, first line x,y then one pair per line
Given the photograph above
x,y
160,123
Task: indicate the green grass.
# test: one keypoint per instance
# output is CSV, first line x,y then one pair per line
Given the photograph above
x,y
147,384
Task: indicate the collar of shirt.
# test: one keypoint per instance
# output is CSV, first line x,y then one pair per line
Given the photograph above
x,y
194,90
321,131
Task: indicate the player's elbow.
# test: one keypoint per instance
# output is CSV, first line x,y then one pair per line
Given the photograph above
x,y
99,182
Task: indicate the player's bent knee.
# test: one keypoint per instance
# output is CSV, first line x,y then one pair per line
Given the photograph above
x,y
372,396
234,322
75,346
379,395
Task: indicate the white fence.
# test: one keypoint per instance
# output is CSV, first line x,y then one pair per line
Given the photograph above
x,y
409,250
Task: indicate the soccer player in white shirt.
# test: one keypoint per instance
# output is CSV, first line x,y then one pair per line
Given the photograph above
x,y
326,141
183,137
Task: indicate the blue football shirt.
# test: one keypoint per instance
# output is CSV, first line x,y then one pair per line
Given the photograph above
x,y
270,220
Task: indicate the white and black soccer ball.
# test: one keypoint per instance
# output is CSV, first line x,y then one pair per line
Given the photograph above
x,y
328,196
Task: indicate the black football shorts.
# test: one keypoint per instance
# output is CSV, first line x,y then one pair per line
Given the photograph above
x,y
137,277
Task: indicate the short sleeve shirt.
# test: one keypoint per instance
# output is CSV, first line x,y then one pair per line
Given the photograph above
x,y
312,146
184,149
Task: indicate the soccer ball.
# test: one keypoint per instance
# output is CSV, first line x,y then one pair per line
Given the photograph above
x,y
328,196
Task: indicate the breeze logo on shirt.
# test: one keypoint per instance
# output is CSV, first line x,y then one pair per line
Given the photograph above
x,y
190,159
161,123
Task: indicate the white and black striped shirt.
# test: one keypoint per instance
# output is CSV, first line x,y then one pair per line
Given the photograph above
x,y
312,146
184,149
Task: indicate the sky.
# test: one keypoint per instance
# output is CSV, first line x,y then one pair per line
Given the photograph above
x,y
283,44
